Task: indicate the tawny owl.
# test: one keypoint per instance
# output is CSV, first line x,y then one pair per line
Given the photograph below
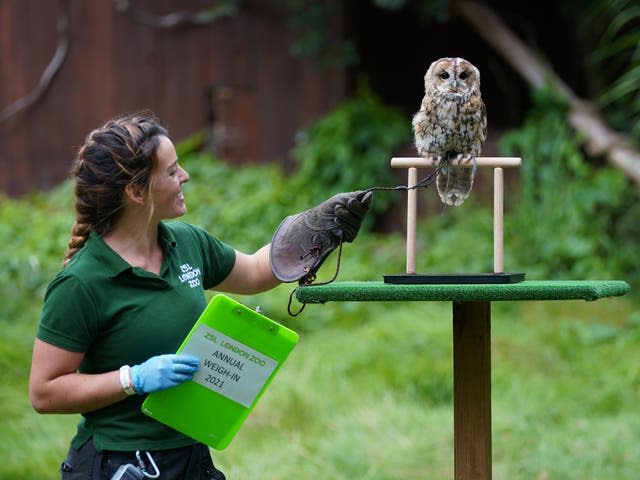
x,y
451,124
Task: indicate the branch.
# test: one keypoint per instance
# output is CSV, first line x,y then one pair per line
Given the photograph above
x,y
50,71
583,115
223,9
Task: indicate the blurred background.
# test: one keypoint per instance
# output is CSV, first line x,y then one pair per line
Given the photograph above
x,y
275,105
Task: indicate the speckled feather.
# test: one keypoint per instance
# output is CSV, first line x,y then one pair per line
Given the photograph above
x,y
451,123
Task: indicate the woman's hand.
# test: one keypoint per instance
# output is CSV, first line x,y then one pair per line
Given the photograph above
x,y
162,372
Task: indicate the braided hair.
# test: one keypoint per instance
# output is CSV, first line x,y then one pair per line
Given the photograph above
x,y
120,153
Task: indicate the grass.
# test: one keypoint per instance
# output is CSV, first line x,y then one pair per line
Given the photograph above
x,y
367,394
372,400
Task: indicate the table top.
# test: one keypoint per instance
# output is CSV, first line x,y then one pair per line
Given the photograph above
x,y
378,291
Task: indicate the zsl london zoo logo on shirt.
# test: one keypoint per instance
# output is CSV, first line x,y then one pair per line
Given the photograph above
x,y
190,275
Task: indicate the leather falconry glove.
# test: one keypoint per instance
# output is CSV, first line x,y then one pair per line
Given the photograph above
x,y
303,241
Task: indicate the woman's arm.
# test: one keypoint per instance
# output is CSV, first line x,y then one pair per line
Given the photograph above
x,y
55,386
250,274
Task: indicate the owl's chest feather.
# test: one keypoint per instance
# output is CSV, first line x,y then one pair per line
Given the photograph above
x,y
448,125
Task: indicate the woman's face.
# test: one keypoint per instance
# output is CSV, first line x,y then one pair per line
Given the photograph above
x,y
168,197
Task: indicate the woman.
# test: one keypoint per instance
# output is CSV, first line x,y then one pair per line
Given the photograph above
x,y
116,313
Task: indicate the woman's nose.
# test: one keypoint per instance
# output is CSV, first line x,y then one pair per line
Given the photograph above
x,y
184,175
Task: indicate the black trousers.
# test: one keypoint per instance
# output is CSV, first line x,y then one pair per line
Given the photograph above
x,y
187,463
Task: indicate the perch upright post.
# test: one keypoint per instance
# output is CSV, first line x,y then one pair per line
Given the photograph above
x,y
498,163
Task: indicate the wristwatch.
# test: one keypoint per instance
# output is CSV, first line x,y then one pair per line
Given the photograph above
x,y
125,380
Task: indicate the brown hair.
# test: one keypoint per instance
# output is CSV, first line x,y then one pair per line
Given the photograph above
x,y
120,153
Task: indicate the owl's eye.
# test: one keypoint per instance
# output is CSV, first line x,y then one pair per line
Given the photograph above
x,y
444,75
463,75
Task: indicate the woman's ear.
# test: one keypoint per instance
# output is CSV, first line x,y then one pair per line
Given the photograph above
x,y
135,193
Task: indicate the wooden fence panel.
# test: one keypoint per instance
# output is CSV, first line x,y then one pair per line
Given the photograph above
x,y
236,73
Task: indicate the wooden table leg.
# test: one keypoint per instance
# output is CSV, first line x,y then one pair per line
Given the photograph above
x,y
472,390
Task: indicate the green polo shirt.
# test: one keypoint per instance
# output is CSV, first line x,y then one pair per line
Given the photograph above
x,y
118,315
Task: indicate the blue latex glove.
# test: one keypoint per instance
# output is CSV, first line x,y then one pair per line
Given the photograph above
x,y
163,371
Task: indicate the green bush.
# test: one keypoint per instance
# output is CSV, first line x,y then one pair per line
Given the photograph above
x,y
243,206
571,218
615,61
350,148
366,371
35,232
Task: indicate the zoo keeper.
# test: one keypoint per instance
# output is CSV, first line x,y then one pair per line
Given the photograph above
x,y
132,286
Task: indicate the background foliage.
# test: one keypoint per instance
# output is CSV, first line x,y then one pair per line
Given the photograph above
x,y
582,219
343,150
616,58
367,393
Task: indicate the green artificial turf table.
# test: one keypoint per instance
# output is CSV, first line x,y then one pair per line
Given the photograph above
x,y
527,290
471,343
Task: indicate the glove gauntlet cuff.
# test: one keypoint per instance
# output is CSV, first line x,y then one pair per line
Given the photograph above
x,y
297,252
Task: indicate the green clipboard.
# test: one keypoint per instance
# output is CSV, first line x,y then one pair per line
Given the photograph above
x,y
240,353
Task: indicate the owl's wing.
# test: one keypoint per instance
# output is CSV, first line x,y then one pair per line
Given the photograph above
x,y
423,126
475,114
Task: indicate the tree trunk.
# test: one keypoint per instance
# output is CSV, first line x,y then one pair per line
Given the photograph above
x,y
583,115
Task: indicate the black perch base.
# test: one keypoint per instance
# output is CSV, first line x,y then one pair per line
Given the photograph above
x,y
453,278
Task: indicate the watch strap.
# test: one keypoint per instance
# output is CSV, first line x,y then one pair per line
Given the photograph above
x,y
125,380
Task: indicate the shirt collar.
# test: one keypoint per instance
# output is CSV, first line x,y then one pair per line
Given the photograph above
x,y
166,238
113,263
110,261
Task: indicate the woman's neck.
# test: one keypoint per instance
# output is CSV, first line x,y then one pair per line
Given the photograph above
x,y
137,245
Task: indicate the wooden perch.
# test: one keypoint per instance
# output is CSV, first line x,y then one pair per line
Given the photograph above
x,y
420,162
584,117
498,163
